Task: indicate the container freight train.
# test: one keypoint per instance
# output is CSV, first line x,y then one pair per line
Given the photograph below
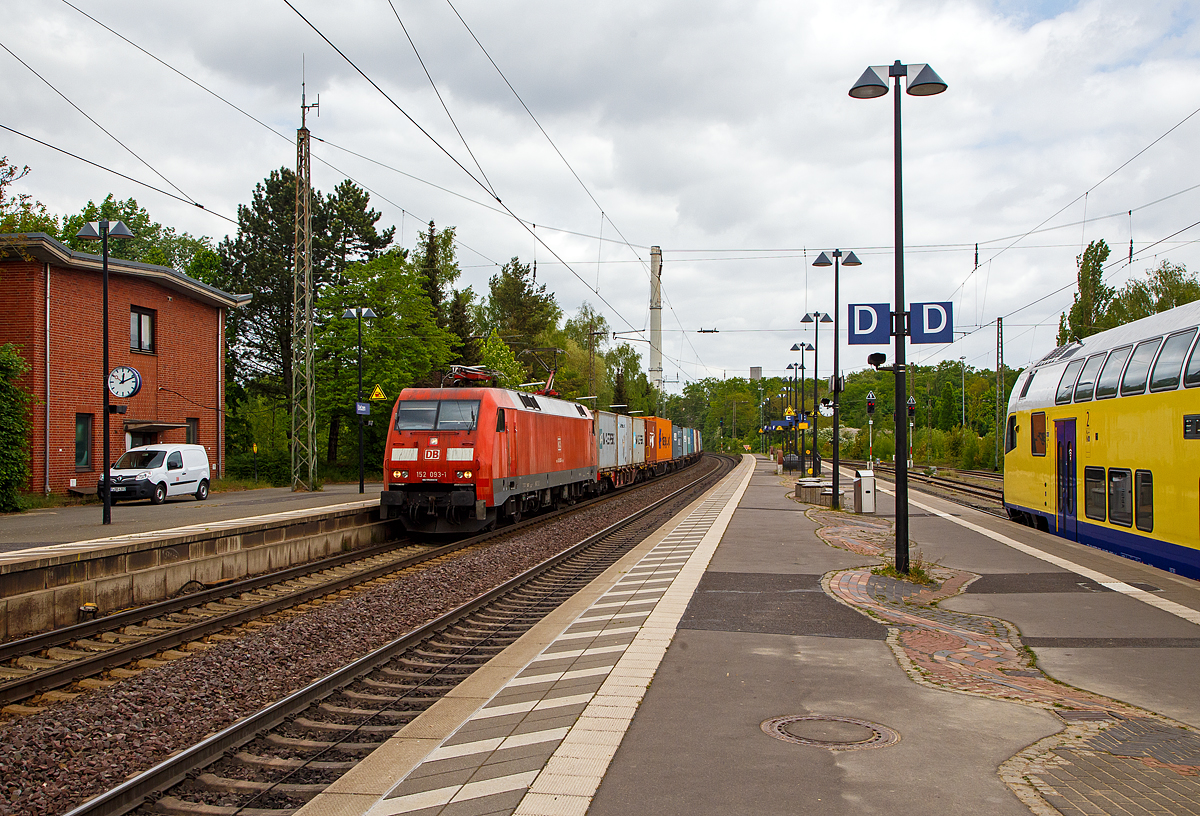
x,y
458,460
1102,443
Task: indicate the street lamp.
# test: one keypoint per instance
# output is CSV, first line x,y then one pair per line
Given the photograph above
x,y
963,364
869,86
101,231
795,368
359,313
816,318
823,260
803,347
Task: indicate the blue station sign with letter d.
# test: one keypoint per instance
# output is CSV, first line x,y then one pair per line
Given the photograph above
x,y
932,323
870,324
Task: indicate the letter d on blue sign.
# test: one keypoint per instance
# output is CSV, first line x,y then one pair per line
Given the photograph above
x,y
870,324
932,322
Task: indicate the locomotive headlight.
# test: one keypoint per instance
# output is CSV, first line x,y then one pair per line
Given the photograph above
x,y
404,474
396,474
466,474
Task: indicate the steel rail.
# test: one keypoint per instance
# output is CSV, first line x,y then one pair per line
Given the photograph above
x,y
133,792
71,671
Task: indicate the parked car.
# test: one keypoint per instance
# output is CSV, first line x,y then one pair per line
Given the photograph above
x,y
156,472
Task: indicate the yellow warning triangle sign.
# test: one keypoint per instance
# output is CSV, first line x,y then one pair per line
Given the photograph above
x,y
377,394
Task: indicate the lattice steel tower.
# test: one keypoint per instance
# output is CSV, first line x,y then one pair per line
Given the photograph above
x,y
304,418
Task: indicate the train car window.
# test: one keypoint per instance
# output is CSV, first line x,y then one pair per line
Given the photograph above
x,y
1144,500
1191,377
499,419
1138,370
457,415
1028,382
1120,497
1087,378
1094,493
1010,434
416,415
1037,433
1066,386
1169,365
1110,375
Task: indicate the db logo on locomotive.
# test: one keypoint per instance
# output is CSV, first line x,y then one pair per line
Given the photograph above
x,y
433,454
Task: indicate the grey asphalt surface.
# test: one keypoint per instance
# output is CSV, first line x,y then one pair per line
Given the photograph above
x,y
60,525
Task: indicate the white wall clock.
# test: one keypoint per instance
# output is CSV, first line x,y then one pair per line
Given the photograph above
x,y
124,382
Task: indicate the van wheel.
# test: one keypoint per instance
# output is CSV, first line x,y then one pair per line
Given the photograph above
x,y
202,490
160,494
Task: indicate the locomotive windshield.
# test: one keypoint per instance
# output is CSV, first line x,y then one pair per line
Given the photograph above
x,y
439,415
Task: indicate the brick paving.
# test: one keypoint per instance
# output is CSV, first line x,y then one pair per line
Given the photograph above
x,y
1110,757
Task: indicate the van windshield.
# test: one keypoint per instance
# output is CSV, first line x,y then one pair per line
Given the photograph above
x,y
140,460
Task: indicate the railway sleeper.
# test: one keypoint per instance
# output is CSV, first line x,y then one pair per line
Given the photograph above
x,y
432,688
367,698
384,731
284,764
65,654
418,674
332,710
227,785
306,745
174,806
94,645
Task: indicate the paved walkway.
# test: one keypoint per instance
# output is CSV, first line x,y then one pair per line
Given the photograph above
x,y
749,659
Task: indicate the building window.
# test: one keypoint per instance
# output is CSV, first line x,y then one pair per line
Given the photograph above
x,y
141,329
1144,500
1037,433
193,430
1120,497
83,441
1093,493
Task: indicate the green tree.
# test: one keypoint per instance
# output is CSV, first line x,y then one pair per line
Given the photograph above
x,y
1089,311
402,344
948,414
14,428
517,308
260,260
497,356
1164,287
20,213
151,243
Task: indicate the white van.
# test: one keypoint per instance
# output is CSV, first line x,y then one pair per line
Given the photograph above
x,y
157,471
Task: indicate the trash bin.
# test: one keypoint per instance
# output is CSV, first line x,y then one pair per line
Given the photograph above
x,y
864,491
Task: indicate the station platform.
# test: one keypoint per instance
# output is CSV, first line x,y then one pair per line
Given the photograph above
x,y
746,660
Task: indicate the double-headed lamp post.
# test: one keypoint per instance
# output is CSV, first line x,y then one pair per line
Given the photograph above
x,y
823,260
359,313
803,347
816,318
870,85
101,231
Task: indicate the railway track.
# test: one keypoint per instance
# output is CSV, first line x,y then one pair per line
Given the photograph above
x,y
111,648
271,763
993,497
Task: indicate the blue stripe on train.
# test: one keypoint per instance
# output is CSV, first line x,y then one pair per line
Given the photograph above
x,y
1164,555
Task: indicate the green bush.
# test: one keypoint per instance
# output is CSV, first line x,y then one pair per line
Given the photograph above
x,y
14,429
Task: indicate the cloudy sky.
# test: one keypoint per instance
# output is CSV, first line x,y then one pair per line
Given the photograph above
x,y
720,131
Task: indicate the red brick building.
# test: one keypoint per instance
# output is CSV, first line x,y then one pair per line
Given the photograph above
x,y
51,307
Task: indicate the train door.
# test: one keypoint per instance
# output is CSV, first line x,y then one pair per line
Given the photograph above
x,y
1065,473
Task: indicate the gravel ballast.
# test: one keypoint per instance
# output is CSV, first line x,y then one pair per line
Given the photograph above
x,y
56,759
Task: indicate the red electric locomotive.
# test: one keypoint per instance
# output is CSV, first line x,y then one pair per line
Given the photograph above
x,y
459,459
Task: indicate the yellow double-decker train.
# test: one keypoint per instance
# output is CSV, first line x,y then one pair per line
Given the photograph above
x,y
1102,442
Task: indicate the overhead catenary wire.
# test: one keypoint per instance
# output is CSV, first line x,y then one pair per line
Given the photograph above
x,y
451,156
114,172
105,130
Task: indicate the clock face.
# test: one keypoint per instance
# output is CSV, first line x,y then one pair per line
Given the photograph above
x,y
124,382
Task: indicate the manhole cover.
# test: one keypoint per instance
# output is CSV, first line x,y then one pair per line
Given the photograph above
x,y
834,733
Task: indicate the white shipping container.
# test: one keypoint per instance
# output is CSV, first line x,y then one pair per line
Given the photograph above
x,y
606,440
624,440
639,440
